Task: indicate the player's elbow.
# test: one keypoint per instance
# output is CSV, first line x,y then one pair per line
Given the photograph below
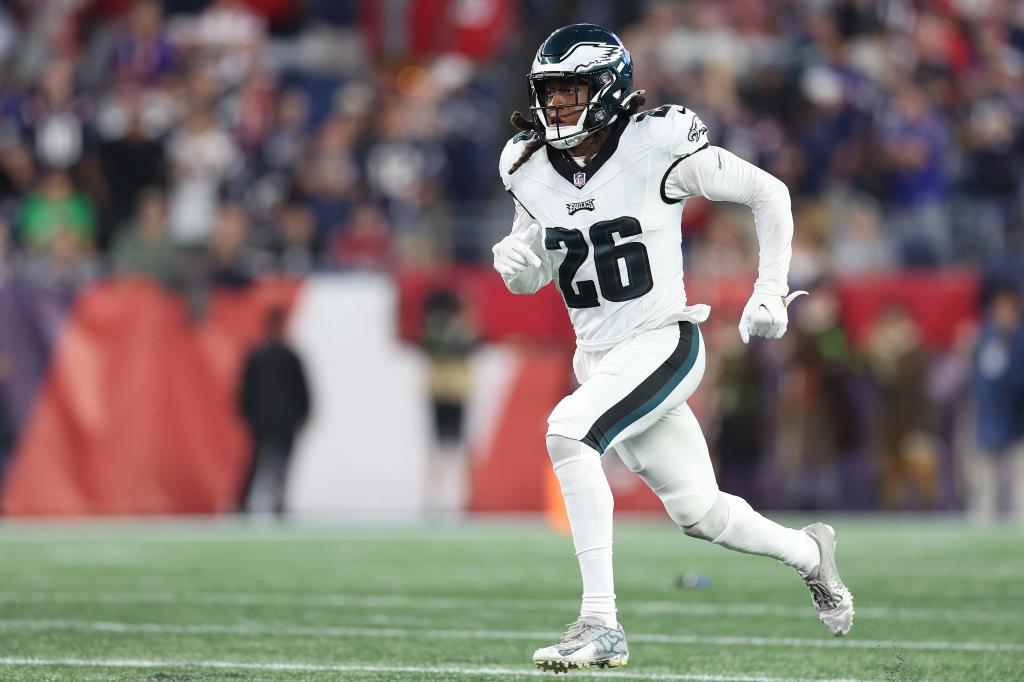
x,y
776,193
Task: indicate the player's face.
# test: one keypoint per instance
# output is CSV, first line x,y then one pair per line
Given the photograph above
x,y
569,96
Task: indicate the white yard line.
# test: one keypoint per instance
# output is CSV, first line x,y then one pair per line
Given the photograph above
x,y
254,629
463,603
425,670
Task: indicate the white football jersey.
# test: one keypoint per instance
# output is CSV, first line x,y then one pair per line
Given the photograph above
x,y
611,237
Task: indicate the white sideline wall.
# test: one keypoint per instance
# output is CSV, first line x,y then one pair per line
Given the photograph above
x,y
363,451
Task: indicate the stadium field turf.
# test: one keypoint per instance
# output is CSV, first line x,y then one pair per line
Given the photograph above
x,y
252,600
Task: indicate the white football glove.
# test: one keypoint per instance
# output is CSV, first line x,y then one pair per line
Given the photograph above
x,y
765,315
513,254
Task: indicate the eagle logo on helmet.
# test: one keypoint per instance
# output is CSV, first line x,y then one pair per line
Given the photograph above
x,y
595,52
606,55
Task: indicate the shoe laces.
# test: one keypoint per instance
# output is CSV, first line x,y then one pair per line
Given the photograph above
x,y
575,629
824,594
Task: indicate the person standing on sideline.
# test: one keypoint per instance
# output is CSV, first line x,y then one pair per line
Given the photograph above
x,y
274,401
598,188
449,339
995,475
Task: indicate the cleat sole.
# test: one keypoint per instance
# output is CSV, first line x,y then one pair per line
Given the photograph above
x,y
564,667
614,662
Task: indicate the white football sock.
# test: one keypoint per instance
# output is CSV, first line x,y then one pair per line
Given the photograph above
x,y
749,532
598,585
589,505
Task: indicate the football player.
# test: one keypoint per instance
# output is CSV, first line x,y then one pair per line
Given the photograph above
x,y
599,189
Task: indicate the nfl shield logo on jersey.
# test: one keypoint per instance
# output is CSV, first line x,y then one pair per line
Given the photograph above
x,y
579,179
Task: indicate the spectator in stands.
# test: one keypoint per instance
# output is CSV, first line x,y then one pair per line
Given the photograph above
x,y
294,235
202,156
231,260
251,115
830,133
405,163
145,248
858,245
225,260
273,169
17,170
55,119
57,225
131,159
995,475
228,35
816,412
993,135
915,144
275,402
904,413
364,241
142,52
56,212
287,143
330,176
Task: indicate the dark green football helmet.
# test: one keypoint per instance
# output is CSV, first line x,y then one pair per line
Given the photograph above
x,y
586,54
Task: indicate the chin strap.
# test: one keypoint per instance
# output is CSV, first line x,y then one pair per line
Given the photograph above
x,y
637,93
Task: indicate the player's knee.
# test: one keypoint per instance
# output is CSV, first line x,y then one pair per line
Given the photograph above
x,y
562,450
688,508
687,502
712,523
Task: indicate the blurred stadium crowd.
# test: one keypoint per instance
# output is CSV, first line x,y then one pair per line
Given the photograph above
x,y
211,142
279,134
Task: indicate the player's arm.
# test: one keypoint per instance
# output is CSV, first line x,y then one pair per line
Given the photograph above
x,y
719,175
520,258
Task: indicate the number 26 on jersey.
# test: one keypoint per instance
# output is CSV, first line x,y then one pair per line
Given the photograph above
x,y
615,286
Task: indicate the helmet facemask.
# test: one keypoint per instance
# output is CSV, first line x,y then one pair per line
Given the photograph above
x,y
564,128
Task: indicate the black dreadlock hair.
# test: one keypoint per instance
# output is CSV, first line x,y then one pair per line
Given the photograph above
x,y
524,124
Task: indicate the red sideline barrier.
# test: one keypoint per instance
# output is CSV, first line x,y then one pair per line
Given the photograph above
x,y
940,300
136,414
510,475
500,314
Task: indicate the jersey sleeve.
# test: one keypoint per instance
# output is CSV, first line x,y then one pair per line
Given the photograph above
x,y
719,175
504,163
690,134
675,129
510,154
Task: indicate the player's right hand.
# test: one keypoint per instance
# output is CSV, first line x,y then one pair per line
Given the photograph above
x,y
513,254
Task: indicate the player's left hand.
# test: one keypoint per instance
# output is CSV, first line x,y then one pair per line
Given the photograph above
x,y
765,315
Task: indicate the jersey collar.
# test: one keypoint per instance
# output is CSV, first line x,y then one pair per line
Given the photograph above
x,y
577,175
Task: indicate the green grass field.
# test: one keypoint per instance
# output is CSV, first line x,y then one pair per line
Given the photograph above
x,y
936,600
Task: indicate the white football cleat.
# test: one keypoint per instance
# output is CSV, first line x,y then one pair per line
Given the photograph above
x,y
831,597
587,642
